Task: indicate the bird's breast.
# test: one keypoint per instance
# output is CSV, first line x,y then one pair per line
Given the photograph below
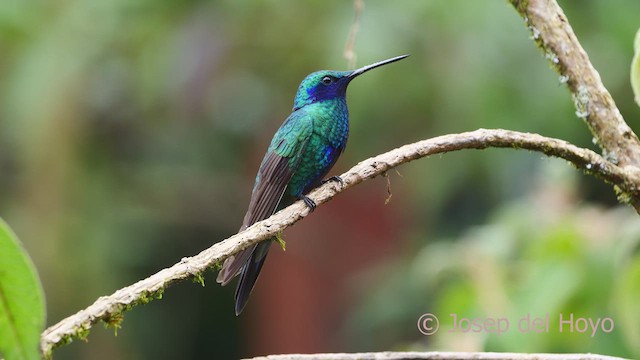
x,y
331,123
327,141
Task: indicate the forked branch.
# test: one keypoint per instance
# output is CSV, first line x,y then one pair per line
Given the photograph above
x,y
110,308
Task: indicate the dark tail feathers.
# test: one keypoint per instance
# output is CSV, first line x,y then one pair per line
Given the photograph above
x,y
249,274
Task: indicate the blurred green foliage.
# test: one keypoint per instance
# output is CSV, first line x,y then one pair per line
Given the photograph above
x,y
130,132
543,255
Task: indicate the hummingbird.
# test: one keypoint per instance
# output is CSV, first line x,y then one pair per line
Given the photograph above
x,y
301,153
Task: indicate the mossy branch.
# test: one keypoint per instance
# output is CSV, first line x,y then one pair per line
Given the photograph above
x,y
111,307
551,31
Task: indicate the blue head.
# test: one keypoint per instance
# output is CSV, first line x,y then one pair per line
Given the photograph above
x,y
329,84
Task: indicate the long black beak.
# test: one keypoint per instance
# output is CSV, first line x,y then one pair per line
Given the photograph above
x,y
364,69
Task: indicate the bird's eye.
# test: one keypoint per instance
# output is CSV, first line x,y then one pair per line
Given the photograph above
x,y
327,80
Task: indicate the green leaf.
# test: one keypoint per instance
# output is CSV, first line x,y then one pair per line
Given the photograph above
x,y
635,68
626,303
22,309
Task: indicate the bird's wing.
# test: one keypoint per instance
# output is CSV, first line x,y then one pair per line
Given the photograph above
x,y
277,168
271,183
273,177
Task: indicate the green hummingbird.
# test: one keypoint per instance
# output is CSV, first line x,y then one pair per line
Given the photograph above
x,y
302,151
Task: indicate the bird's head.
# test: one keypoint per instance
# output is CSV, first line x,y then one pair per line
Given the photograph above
x,y
330,84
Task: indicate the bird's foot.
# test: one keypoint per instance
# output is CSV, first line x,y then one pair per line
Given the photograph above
x,y
307,201
336,178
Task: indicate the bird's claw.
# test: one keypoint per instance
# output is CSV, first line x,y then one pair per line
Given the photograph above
x,y
336,178
310,203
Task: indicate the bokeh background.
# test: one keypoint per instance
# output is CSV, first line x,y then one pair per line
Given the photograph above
x,y
131,131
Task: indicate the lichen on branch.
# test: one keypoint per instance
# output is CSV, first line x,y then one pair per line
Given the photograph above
x,y
551,31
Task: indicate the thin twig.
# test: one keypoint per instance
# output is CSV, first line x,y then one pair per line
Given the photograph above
x,y
349,48
436,355
109,308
